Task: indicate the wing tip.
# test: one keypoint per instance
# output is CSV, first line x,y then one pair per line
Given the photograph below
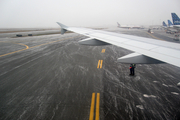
x,y
62,25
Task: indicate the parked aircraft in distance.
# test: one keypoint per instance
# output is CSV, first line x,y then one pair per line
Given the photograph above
x,y
129,27
170,23
176,21
169,28
164,25
173,27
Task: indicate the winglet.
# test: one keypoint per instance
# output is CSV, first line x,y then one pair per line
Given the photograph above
x,y
63,27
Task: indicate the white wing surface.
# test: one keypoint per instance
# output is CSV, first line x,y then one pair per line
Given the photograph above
x,y
146,50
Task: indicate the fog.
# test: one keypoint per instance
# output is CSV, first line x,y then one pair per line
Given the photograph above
x,y
85,13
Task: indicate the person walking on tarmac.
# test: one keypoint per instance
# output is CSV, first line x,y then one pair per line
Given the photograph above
x,y
132,67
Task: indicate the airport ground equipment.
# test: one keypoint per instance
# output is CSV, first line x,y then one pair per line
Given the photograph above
x,y
176,36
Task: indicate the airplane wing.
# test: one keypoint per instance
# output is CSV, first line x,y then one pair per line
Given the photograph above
x,y
146,50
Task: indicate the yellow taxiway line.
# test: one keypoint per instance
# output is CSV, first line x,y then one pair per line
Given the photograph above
x,y
103,50
12,52
97,106
154,36
27,47
91,116
100,64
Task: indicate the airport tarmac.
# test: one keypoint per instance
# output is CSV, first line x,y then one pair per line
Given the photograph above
x,y
25,33
52,77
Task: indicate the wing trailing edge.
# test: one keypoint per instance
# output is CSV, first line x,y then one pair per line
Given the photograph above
x,y
137,58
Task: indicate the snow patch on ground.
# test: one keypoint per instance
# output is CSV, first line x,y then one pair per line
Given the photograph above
x,y
140,107
148,96
175,93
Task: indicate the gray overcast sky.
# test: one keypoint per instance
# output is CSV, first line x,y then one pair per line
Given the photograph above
x,y
86,13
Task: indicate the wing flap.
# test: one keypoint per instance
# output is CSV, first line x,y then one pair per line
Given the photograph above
x,y
136,58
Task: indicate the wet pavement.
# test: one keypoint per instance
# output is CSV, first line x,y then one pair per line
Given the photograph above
x,y
25,33
53,77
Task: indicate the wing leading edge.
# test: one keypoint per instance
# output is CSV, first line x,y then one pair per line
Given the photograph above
x,y
147,51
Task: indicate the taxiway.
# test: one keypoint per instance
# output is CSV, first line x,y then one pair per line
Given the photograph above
x,y
53,77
